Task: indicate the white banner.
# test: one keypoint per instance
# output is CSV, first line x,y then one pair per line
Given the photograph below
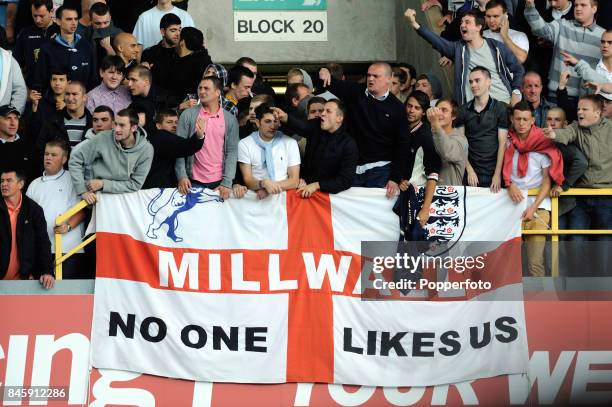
x,y
270,291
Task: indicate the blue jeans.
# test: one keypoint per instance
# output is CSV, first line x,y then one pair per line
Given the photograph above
x,y
590,255
591,212
373,178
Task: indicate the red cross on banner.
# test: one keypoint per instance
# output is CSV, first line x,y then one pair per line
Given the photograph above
x,y
269,292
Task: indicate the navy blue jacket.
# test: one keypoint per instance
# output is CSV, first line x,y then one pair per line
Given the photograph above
x,y
510,70
380,128
77,60
27,48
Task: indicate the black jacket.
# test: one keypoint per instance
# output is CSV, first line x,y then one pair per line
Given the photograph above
x,y
156,100
27,48
33,243
185,73
422,138
330,159
36,120
574,166
162,59
53,128
167,147
15,156
380,128
569,106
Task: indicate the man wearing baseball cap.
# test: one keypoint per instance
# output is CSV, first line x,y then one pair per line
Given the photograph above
x,y
13,149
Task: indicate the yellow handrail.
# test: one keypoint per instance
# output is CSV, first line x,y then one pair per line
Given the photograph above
x,y
554,230
59,257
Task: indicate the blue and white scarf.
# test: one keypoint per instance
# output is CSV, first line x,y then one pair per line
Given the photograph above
x,y
267,157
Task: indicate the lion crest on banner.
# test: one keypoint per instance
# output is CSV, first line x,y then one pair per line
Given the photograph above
x,y
165,207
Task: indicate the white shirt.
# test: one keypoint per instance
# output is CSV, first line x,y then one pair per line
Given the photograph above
x,y
55,194
286,154
533,178
418,177
557,15
602,69
3,141
146,30
518,38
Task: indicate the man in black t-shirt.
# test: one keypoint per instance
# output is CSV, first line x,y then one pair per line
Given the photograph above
x,y
484,121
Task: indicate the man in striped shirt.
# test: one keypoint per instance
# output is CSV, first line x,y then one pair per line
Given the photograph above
x,y
70,124
580,38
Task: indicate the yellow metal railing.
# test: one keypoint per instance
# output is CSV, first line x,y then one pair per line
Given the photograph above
x,y
554,230
59,257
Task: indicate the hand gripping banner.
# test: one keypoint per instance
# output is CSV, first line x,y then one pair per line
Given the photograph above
x,y
270,291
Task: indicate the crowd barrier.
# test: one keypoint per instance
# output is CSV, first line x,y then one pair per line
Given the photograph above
x,y
554,232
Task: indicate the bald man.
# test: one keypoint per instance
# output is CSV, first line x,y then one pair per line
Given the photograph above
x,y
378,123
126,46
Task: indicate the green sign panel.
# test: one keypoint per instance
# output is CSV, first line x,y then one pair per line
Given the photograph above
x,y
280,5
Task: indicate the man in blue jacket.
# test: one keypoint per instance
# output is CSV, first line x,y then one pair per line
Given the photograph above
x,y
66,51
474,50
27,45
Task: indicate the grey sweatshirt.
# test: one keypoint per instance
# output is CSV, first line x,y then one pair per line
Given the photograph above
x,y
13,89
595,143
101,157
453,152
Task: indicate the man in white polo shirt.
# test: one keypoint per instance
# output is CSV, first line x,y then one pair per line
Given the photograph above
x,y
147,27
269,160
55,193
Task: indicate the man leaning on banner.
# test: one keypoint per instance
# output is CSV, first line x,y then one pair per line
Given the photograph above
x,y
269,160
530,161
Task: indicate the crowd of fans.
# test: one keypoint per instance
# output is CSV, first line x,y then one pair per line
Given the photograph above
x,y
86,107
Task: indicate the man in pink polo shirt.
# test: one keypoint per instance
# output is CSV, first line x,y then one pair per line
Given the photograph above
x,y
214,165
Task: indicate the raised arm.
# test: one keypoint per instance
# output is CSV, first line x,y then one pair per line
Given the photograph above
x,y
539,27
563,136
519,53
445,47
344,90
304,128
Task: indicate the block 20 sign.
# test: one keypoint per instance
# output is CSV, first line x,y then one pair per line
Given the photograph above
x,y
280,20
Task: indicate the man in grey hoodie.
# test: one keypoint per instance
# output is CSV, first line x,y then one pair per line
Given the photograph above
x,y
113,161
